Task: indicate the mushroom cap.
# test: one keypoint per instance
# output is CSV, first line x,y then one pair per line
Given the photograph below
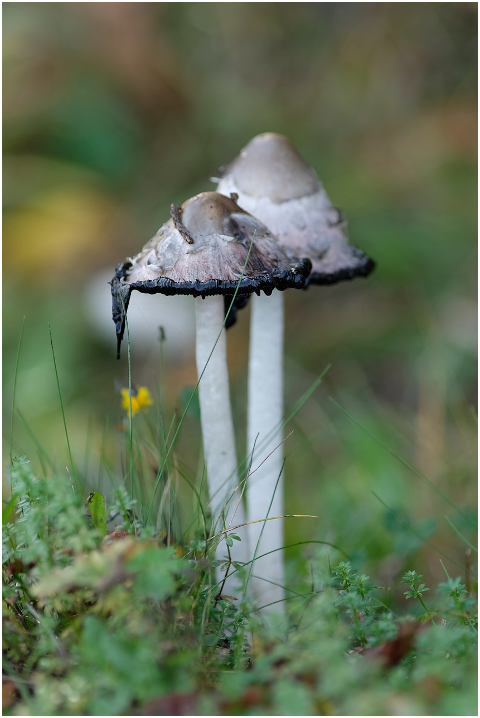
x,y
275,184
209,246
270,166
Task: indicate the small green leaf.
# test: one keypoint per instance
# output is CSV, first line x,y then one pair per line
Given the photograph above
x,y
96,505
8,508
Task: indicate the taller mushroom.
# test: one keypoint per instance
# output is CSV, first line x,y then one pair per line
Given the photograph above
x,y
275,184
210,248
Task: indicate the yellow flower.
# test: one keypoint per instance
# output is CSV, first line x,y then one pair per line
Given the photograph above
x,y
140,400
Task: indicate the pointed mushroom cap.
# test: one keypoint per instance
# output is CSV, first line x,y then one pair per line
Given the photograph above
x,y
276,185
270,166
209,246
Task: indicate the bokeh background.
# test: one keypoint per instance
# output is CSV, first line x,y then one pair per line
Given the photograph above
x,y
112,111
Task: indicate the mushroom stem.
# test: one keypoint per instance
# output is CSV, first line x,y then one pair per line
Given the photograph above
x,y
264,432
217,425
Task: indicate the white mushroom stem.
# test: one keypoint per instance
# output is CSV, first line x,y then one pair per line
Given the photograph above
x,y
264,431
217,425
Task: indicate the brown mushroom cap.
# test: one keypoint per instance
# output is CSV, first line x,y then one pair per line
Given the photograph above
x,y
209,246
276,185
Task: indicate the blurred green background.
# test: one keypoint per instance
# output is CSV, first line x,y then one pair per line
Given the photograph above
x,y
112,111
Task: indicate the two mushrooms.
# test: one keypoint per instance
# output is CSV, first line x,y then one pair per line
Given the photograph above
x,y
269,227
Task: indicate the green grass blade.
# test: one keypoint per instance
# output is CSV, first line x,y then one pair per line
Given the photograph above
x,y
244,467
296,408
262,530
310,594
275,583
17,360
63,412
196,492
7,510
443,566
130,413
291,545
460,535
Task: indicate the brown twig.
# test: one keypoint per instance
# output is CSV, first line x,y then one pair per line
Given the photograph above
x,y
176,213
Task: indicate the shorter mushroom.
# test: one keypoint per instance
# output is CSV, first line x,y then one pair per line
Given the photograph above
x,y
210,248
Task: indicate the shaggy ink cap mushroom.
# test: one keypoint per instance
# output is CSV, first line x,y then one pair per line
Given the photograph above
x,y
210,248
202,250
275,183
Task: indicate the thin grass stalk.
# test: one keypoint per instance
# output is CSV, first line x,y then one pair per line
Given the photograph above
x,y
292,545
130,413
74,472
286,420
17,361
460,535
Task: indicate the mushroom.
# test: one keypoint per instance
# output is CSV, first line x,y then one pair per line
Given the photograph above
x,y
275,184
210,248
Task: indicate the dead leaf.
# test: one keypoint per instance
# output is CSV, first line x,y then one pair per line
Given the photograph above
x,y
175,704
116,535
392,652
9,693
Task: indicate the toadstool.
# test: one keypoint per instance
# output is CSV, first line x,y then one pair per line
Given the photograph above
x,y
275,184
210,248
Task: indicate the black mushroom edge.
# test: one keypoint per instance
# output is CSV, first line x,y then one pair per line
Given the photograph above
x,y
321,278
363,269
266,282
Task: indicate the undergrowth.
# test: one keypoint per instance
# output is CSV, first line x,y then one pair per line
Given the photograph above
x,y
133,623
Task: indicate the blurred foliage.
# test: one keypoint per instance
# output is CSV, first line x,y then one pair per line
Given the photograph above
x,y
124,625
112,111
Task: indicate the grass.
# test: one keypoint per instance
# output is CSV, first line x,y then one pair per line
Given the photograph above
x,y
135,621
116,626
